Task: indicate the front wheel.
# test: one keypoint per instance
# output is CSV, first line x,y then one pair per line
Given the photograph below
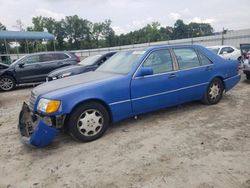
x,y
214,92
7,83
88,122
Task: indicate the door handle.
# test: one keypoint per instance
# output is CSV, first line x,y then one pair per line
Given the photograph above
x,y
209,68
59,63
172,75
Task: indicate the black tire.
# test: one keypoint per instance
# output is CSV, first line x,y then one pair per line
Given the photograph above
x,y
7,83
248,76
213,96
79,130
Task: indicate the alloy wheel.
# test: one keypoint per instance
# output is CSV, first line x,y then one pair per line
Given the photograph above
x,y
6,84
90,122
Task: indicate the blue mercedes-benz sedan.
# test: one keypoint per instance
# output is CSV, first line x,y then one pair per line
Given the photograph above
x,y
128,84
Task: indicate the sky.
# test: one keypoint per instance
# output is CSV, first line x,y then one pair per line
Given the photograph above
x,y
129,15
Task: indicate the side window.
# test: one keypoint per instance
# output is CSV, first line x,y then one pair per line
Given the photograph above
x,y
227,50
61,56
32,59
230,50
48,57
160,61
223,50
204,59
186,58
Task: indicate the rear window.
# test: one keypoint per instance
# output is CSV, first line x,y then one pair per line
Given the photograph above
x,y
215,50
204,59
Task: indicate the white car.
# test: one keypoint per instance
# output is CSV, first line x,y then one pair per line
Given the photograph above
x,y
227,52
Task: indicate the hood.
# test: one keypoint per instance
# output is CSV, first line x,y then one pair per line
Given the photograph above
x,y
71,81
71,68
3,66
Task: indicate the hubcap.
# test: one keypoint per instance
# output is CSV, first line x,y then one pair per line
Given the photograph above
x,y
90,122
214,91
6,83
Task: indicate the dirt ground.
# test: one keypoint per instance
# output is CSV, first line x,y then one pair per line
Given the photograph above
x,y
192,145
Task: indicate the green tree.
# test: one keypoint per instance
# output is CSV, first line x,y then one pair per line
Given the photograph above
x,y
180,30
199,29
38,23
76,29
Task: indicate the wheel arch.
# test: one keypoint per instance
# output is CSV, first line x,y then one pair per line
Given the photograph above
x,y
221,78
9,74
96,101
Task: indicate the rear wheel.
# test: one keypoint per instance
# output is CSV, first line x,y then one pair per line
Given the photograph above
x,y
7,83
214,92
88,122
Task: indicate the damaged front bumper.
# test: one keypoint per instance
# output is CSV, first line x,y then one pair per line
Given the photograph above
x,y
33,130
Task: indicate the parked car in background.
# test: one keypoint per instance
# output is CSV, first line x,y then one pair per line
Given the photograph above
x,y
246,68
227,52
90,63
34,68
245,50
128,84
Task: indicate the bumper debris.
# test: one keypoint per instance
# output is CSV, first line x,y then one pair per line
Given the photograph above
x,y
34,131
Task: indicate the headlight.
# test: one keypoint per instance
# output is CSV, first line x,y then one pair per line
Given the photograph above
x,y
65,74
48,106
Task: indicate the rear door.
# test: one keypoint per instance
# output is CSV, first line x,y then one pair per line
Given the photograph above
x,y
155,91
52,61
195,71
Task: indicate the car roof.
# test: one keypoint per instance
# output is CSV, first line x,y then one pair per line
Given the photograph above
x,y
54,52
162,46
219,46
174,46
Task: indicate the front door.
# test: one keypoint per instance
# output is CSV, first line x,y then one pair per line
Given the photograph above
x,y
155,91
28,70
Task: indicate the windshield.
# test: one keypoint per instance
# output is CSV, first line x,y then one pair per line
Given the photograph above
x,y
215,50
121,62
90,60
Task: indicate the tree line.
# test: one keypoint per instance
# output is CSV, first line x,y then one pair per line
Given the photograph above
x,y
75,33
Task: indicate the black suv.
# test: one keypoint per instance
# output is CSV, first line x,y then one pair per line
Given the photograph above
x,y
34,68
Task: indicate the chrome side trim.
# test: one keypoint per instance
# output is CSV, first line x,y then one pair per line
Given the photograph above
x,y
157,94
232,77
118,102
171,91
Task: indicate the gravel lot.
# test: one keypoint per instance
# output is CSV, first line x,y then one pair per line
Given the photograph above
x,y
192,145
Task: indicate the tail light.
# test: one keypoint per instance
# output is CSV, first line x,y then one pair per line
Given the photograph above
x,y
78,59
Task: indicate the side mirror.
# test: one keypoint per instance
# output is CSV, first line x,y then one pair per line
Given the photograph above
x,y
21,65
225,52
145,71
